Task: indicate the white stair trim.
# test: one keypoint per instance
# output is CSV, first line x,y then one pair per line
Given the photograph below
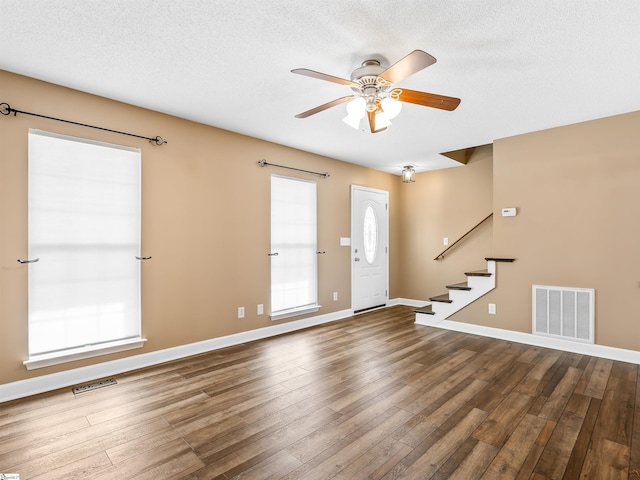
x,y
460,298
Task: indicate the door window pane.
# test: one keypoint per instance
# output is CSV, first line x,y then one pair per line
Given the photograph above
x,y
370,234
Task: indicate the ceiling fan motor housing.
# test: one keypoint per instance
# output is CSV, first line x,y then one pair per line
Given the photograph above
x,y
367,75
369,84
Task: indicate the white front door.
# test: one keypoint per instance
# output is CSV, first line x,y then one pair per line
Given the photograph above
x,y
369,248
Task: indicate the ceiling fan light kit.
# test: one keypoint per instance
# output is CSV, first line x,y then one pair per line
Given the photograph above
x,y
374,96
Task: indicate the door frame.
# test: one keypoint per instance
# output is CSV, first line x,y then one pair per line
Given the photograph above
x,y
351,246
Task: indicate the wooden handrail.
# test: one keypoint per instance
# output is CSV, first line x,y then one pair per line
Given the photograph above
x,y
458,240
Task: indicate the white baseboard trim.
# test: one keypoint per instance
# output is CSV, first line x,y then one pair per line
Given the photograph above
x,y
53,381
611,353
45,383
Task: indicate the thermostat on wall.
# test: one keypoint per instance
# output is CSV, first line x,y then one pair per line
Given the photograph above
x,y
509,212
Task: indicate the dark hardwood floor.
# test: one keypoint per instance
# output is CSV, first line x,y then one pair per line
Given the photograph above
x,y
371,397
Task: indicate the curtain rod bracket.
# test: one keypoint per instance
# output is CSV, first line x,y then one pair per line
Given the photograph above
x,y
5,109
264,163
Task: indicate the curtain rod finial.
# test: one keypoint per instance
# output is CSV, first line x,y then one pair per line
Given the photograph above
x,y
158,141
5,108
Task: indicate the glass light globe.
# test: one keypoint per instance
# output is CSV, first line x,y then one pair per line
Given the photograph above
x,y
352,121
391,107
356,107
382,120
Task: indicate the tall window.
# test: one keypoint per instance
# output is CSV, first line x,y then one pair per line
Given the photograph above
x,y
293,247
84,227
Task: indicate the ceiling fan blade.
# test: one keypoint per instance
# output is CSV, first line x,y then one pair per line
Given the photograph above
x,y
320,108
412,63
429,99
372,123
323,76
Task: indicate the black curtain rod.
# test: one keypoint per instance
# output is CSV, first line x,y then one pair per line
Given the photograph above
x,y
264,163
5,109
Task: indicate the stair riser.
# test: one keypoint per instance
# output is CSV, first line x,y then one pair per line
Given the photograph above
x,y
424,319
460,295
478,282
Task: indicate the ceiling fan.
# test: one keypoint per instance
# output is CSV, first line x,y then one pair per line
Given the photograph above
x,y
375,96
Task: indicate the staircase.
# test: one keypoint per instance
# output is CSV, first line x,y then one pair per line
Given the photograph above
x,y
459,295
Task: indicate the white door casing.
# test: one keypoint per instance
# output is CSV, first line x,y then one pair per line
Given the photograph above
x,y
369,248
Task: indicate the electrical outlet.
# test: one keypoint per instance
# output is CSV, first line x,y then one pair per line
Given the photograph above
x,y
260,309
445,241
240,312
492,308
335,296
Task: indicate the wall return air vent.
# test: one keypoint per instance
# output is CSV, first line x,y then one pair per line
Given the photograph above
x,y
562,312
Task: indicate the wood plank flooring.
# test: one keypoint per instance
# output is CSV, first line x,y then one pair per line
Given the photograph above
x,y
370,397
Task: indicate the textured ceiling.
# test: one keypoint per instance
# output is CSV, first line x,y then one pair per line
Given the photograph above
x,y
518,66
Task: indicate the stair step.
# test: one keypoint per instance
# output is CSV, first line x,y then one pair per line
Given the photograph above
x,y
444,298
478,283
459,286
478,273
426,309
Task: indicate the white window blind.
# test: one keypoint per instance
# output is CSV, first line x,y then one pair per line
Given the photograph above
x,y
294,240
84,226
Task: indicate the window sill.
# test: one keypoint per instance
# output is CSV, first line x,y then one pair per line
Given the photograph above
x,y
80,353
294,312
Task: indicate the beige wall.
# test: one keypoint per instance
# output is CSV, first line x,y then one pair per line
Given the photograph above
x,y
206,222
205,210
577,191
445,203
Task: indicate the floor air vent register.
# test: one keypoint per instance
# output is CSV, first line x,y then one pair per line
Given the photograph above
x,y
93,386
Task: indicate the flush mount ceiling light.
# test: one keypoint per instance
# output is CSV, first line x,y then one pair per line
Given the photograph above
x,y
374,96
408,174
